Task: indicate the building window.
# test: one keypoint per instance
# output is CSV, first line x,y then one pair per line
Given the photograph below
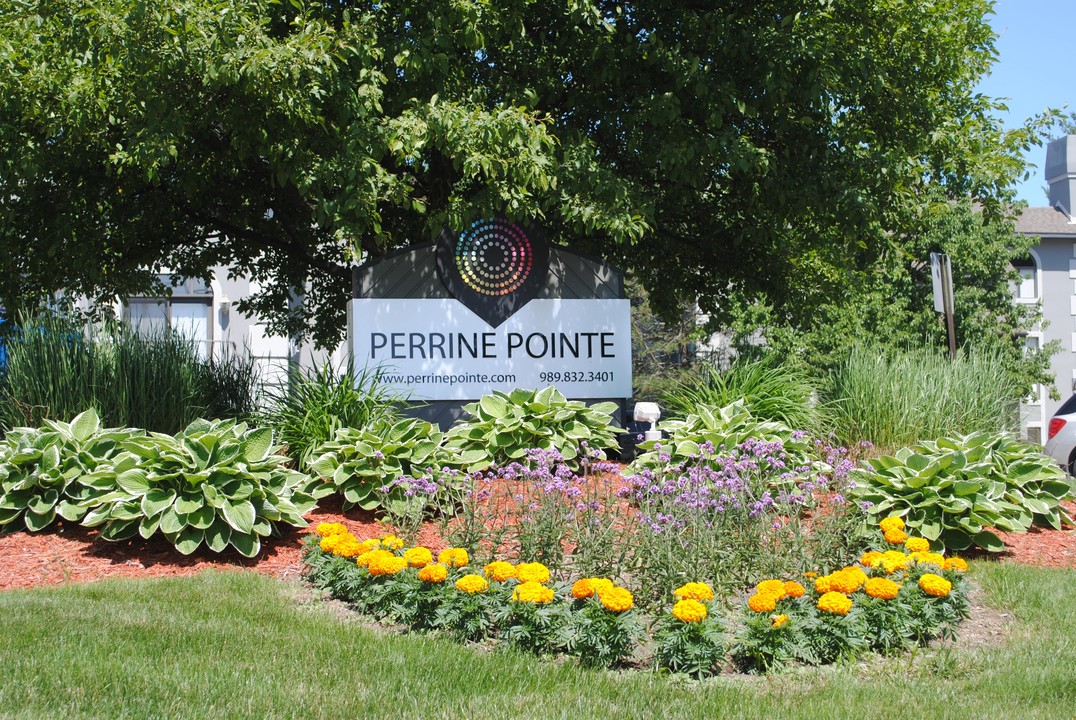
x,y
187,312
1028,286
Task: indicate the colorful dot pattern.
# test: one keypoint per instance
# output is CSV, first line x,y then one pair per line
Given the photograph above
x,y
494,257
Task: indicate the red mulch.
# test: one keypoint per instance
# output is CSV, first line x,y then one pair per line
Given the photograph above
x,y
69,553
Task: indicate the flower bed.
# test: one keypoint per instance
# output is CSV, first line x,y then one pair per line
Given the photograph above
x,y
891,600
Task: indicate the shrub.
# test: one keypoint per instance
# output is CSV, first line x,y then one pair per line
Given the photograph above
x,y
369,466
316,403
217,483
40,469
769,389
503,427
953,489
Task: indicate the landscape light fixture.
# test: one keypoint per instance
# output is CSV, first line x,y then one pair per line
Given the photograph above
x,y
648,412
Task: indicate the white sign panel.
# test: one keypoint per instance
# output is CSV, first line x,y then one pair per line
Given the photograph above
x,y
437,349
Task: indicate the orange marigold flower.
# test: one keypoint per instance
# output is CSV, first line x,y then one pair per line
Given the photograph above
x,y
917,544
532,592
433,573
881,588
848,580
895,537
870,558
499,571
957,564
329,542
935,585
835,603
689,611
617,599
894,560
347,547
779,621
387,564
418,557
793,589
762,603
532,572
472,584
810,575
893,522
771,587
601,585
583,588
453,557
694,591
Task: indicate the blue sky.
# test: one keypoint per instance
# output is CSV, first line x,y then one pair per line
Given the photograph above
x,y
1036,68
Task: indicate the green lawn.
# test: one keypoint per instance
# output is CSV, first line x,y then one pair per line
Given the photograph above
x,y
244,646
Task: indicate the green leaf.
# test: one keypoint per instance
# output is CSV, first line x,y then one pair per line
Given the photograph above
x,y
189,539
135,481
189,503
256,445
36,522
247,545
989,541
240,516
85,424
157,500
218,535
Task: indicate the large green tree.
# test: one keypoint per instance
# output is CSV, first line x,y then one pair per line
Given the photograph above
x,y
715,148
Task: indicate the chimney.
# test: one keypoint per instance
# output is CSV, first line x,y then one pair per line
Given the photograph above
x,y
1061,173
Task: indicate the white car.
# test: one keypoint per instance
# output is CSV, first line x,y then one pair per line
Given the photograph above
x,y
1061,436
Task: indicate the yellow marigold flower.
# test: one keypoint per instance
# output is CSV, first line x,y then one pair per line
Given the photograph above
x,y
532,592
370,556
793,589
823,584
935,585
347,547
895,537
617,599
957,564
329,542
694,591
386,564
881,588
835,603
532,572
499,571
870,558
391,542
327,529
472,584
917,544
689,610
433,573
601,585
371,544
771,587
893,522
779,621
418,557
454,557
762,603
810,575
894,560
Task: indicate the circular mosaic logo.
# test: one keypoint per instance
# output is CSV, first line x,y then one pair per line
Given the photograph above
x,y
494,257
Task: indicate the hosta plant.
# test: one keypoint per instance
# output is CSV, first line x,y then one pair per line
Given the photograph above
x,y
360,462
502,427
950,491
216,483
40,467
